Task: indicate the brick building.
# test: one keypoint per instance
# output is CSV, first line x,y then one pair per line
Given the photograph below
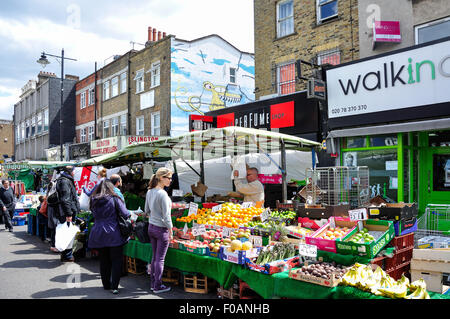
x,y
6,138
314,31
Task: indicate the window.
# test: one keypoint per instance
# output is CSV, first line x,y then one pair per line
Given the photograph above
x,y
123,124
39,123
105,128
46,120
33,126
91,134
286,78
155,73
83,100
140,125
22,131
105,90
232,75
326,9
18,134
123,82
332,57
156,131
83,135
139,78
115,86
91,96
114,126
433,30
148,99
27,129
285,18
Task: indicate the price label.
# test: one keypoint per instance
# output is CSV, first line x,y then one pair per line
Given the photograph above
x,y
256,241
226,232
177,192
193,207
185,229
307,250
265,214
357,214
216,208
247,204
198,230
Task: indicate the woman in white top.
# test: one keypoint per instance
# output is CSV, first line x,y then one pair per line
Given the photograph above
x,y
158,205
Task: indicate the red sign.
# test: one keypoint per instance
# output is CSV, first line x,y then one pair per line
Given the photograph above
x,y
270,179
386,31
282,115
225,120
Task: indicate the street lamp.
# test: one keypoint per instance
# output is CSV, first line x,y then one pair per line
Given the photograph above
x,y
44,61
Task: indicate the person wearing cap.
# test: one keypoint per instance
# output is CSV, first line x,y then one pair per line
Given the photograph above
x,y
69,206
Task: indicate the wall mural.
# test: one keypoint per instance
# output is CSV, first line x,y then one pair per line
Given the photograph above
x,y
207,75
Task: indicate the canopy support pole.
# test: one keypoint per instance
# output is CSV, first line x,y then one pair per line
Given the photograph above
x,y
283,172
186,163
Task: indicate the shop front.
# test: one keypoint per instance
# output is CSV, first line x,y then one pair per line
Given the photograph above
x,y
391,112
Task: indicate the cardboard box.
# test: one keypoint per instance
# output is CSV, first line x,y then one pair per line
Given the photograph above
x,y
332,282
185,246
370,249
405,226
433,242
326,244
274,266
393,211
322,211
434,280
238,256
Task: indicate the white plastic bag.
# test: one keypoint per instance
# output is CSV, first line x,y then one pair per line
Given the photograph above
x,y
65,235
84,201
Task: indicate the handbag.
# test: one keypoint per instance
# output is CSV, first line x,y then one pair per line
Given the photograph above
x,y
125,226
84,201
43,209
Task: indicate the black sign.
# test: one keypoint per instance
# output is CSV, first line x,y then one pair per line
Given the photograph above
x,y
79,151
316,89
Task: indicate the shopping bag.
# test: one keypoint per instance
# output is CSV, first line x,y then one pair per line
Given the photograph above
x,y
65,235
84,201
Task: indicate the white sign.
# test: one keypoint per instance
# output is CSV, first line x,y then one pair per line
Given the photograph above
x,y
216,208
307,250
247,204
256,241
226,232
185,229
104,146
238,164
411,78
193,207
198,230
357,214
129,140
265,214
177,192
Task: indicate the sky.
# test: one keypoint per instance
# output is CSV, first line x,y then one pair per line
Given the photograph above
x,y
93,31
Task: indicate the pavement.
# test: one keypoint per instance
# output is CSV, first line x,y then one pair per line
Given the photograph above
x,y
29,270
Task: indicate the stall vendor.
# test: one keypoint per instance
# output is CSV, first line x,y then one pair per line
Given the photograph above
x,y
252,189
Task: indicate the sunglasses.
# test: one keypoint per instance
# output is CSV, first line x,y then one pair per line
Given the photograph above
x,y
169,178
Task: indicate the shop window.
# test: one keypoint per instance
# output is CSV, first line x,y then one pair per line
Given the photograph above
x,y
439,139
383,140
285,18
383,168
441,172
286,78
356,142
433,30
326,9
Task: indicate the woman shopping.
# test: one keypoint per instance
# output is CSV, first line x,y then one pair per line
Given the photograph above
x,y
105,235
158,205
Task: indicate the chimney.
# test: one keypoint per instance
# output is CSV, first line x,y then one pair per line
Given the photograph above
x,y
164,34
154,34
159,35
149,34
72,77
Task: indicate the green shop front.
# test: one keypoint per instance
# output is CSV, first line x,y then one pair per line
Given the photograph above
x,y
391,112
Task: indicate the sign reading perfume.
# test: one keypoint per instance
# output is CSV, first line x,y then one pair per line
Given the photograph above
x,y
413,78
386,31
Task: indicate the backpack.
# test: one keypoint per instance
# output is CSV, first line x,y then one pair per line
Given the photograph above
x,y
52,198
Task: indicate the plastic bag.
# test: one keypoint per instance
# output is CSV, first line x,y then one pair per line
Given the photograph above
x,y
65,235
84,201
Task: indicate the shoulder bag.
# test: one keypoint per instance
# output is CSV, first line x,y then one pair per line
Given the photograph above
x,y
125,225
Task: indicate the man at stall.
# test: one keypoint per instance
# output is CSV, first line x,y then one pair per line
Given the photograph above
x,y
117,181
7,204
252,189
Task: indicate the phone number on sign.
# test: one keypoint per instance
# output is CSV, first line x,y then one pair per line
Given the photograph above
x,y
349,109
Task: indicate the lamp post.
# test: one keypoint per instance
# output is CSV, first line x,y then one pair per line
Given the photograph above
x,y
44,61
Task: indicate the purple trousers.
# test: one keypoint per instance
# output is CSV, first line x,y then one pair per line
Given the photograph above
x,y
159,238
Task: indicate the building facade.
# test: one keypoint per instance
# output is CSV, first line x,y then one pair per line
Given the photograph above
x,y
36,116
6,139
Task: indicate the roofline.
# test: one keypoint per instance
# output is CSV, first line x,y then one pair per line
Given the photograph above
x,y
214,35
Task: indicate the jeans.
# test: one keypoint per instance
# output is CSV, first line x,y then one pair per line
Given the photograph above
x,y
7,219
159,238
111,261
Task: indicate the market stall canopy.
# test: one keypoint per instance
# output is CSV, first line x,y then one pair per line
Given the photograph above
x,y
204,145
35,165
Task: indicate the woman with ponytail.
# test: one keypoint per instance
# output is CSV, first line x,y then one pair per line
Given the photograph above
x,y
158,206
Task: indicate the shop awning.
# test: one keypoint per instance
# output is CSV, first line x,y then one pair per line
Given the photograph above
x,y
35,165
416,126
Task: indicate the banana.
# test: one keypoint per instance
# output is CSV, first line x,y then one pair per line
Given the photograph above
x,y
418,283
403,281
419,293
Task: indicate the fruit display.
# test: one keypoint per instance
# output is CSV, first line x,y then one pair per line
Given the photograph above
x,y
283,214
323,270
365,236
279,251
333,233
381,284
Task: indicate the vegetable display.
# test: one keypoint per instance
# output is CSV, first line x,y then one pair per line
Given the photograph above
x,y
278,251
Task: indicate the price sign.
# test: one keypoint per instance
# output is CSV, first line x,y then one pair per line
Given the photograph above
x,y
247,204
256,241
198,230
193,207
216,208
177,192
307,250
265,214
226,232
358,214
185,229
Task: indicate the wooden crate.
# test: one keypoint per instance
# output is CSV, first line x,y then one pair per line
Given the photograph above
x,y
231,293
431,264
196,283
171,276
134,266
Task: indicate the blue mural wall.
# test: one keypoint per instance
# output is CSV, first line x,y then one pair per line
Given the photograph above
x,y
207,74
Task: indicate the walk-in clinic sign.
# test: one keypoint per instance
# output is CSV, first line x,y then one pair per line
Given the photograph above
x,y
386,31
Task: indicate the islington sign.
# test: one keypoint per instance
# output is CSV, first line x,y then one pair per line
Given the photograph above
x,y
411,78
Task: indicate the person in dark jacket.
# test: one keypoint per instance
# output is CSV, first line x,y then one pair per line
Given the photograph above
x,y
7,204
105,235
68,206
